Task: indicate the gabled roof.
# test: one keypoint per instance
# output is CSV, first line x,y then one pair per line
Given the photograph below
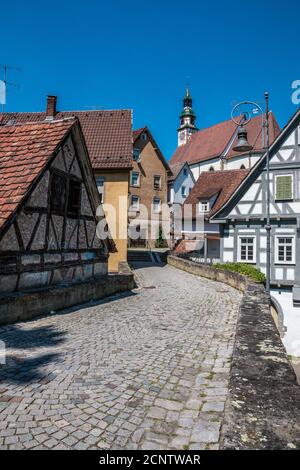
x,y
256,170
176,169
215,183
24,151
213,141
108,134
137,133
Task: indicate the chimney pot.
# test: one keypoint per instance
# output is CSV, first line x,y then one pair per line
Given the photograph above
x,y
51,107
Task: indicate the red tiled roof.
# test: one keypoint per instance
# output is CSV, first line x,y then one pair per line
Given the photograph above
x,y
108,134
24,151
210,183
211,142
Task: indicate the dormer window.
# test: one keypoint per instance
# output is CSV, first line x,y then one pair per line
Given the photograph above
x,y
203,206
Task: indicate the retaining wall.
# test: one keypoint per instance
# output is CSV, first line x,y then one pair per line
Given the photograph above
x,y
23,306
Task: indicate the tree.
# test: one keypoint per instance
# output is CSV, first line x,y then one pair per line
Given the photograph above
x,y
161,242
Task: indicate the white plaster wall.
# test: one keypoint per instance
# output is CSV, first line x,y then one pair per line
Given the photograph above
x,y
236,163
182,180
291,315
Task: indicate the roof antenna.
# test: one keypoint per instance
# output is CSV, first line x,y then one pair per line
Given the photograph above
x,y
4,83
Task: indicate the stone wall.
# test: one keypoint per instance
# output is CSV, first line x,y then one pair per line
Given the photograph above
x,y
263,407
23,306
236,280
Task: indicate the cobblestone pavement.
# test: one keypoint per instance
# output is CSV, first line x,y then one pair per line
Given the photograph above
x,y
146,370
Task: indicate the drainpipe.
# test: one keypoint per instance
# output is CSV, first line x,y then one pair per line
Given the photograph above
x,y
268,225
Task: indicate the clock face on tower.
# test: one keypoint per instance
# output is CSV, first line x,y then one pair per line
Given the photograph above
x,y
181,135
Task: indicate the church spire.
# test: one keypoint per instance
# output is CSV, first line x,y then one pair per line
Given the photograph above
x,y
187,119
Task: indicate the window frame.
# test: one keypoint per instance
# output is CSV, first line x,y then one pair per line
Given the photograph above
x,y
68,180
277,260
239,257
159,186
200,206
292,184
153,206
138,179
132,208
54,209
136,158
70,211
100,193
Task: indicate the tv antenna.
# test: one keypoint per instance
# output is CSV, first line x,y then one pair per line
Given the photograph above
x,y
5,68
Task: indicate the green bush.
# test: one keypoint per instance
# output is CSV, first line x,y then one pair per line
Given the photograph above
x,y
160,242
243,268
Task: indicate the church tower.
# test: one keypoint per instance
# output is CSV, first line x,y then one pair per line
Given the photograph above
x,y
187,120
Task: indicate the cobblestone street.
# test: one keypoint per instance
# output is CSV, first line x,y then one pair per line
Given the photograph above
x,y
143,370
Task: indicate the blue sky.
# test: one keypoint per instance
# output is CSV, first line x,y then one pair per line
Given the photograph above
x,y
139,55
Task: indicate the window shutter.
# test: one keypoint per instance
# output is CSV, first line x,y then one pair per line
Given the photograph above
x,y
284,188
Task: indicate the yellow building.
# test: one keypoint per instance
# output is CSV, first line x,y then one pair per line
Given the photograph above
x,y
113,186
108,137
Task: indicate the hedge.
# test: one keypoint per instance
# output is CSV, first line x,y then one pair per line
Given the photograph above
x,y
243,268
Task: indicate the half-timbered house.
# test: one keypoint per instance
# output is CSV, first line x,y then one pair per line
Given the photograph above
x,y
48,204
243,217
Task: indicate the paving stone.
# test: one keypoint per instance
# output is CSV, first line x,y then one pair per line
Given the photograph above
x,y
206,432
213,406
141,371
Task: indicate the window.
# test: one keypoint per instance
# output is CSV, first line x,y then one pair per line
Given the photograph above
x,y
211,168
203,206
284,187
185,172
135,178
156,182
156,204
243,167
136,155
285,249
100,187
58,193
144,136
135,203
247,247
74,197
183,191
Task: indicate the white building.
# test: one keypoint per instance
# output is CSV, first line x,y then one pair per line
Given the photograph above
x,y
242,221
211,149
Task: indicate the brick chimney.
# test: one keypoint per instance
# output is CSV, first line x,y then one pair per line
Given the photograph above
x,y
51,107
